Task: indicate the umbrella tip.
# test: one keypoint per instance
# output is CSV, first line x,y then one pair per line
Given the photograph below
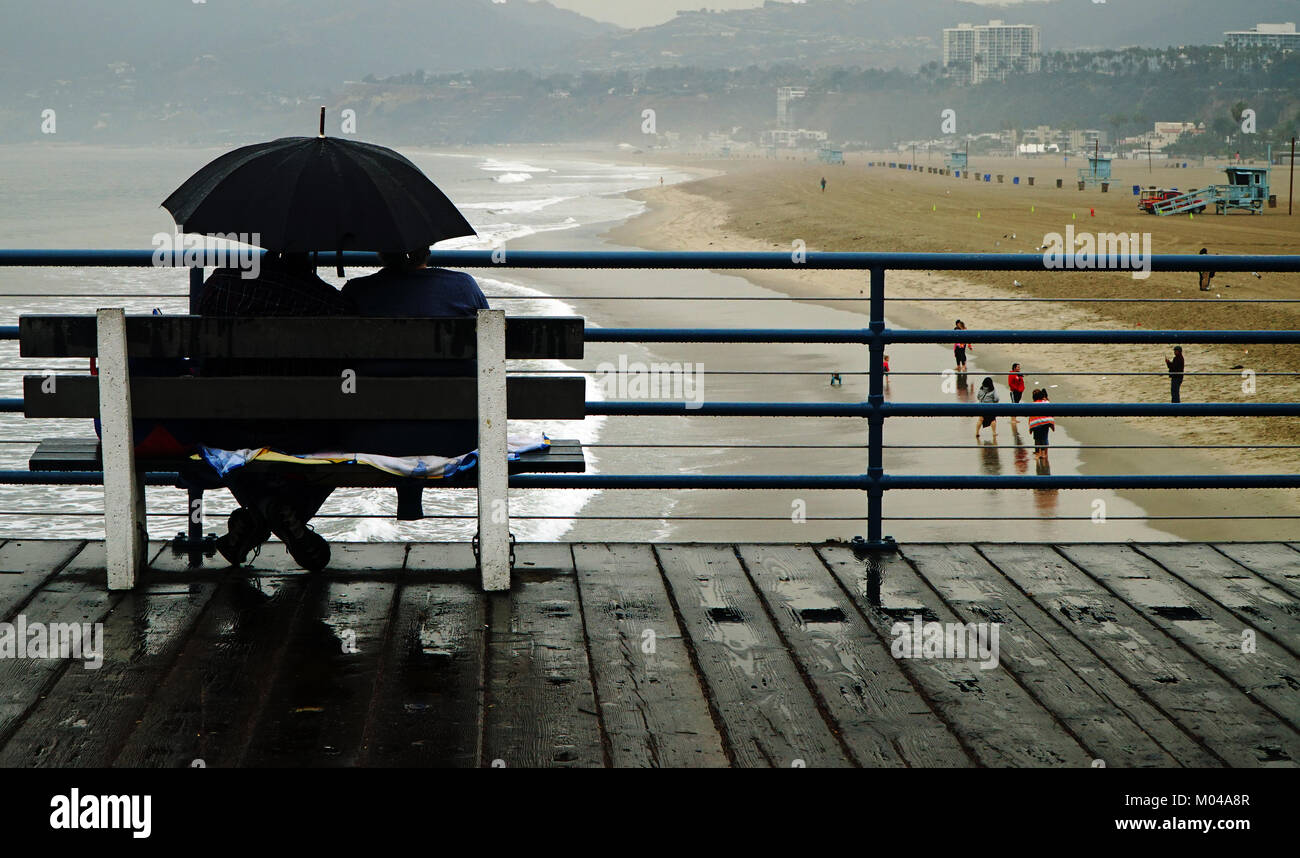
x,y
322,120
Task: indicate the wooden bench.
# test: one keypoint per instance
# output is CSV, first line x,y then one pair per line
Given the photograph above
x,y
118,399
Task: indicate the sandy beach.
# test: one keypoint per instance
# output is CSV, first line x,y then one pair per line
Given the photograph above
x,y
766,205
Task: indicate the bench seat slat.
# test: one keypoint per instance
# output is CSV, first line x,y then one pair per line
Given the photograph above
x,y
170,337
307,398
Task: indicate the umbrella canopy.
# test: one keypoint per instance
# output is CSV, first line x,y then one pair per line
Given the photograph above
x,y
322,193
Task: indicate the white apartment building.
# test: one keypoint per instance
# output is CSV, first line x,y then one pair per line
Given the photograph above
x,y
976,53
1273,37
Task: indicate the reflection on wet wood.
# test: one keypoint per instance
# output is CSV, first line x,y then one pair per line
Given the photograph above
x,y
665,655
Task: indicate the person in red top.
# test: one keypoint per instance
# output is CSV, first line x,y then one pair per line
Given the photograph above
x,y
959,349
1015,384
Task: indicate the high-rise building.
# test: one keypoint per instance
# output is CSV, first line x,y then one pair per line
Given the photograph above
x,y
1269,37
992,51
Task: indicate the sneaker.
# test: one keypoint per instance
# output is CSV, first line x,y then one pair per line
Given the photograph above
x,y
305,545
245,532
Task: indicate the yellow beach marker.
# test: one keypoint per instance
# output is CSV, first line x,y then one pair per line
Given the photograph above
x,y
1031,209
1073,216
977,214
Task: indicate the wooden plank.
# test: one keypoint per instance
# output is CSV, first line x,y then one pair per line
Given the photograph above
x,y
165,337
540,705
877,712
317,711
1249,598
1275,562
87,716
652,704
1269,675
991,715
68,597
1226,722
530,397
428,704
27,564
769,716
204,708
1115,723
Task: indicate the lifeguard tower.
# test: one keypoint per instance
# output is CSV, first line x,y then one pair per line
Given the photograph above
x,y
1247,189
1097,171
830,156
955,161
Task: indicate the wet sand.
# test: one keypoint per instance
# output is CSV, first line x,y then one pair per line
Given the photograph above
x,y
680,218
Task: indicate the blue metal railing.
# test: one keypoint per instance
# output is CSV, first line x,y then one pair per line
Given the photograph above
x,y
875,410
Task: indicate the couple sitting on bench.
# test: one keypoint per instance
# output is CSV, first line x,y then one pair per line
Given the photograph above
x,y
288,286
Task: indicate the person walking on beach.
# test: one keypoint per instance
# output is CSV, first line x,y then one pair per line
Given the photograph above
x,y
1175,373
1204,277
1016,386
1040,427
823,184
988,396
959,349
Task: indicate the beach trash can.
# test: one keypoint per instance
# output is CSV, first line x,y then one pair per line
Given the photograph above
x,y
1272,201
1031,181
1137,189
986,177
1105,187
1081,184
1015,180
1000,179
1058,183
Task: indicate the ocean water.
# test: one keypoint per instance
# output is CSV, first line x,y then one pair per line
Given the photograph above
x,y
106,197
54,196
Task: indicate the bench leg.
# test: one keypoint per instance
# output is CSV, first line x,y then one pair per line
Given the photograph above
x,y
123,488
493,472
141,521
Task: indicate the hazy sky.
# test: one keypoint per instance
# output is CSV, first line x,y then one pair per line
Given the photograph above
x,y
641,13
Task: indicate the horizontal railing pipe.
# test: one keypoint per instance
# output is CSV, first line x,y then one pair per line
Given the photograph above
x,y
707,260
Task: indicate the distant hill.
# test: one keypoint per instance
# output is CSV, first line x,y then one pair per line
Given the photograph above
x,y
302,46
908,33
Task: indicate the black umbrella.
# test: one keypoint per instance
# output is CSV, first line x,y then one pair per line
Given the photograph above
x,y
317,193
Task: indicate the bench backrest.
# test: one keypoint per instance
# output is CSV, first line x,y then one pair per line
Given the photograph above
x,y
336,340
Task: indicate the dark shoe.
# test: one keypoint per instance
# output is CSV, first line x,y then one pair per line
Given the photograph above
x,y
305,545
245,532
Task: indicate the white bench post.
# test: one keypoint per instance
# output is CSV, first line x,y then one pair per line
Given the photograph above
x,y
493,472
125,534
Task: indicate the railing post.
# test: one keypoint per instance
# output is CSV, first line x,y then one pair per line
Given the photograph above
x,y
876,419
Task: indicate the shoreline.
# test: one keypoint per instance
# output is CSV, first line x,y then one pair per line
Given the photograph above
x,y
680,218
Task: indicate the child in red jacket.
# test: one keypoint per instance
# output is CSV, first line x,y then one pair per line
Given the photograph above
x,y
1015,384
1040,427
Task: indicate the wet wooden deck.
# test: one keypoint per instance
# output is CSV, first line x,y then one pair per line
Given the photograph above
x,y
666,655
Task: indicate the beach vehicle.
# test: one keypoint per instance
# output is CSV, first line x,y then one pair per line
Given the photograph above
x,y
1152,197
1246,190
